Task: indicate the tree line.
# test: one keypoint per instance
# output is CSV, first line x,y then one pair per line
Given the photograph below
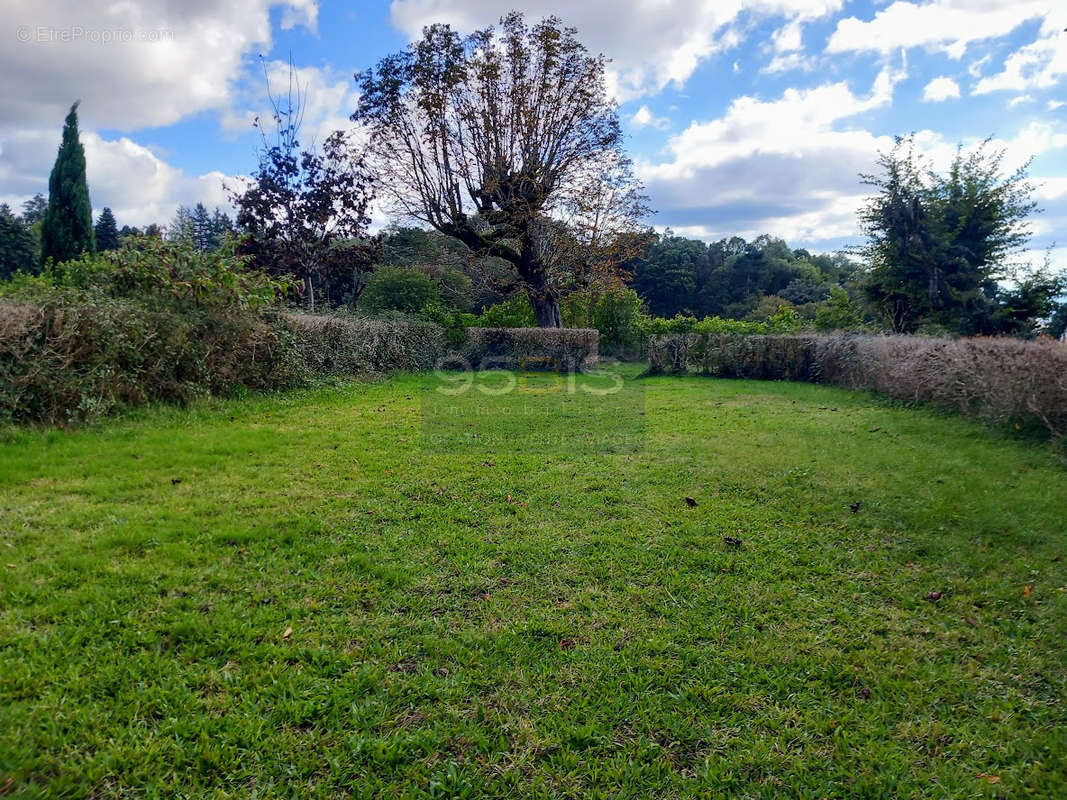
x,y
503,152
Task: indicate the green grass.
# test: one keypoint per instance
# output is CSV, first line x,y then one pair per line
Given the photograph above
x,y
480,621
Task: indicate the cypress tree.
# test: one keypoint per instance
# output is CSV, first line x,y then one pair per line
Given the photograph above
x,y
67,230
107,232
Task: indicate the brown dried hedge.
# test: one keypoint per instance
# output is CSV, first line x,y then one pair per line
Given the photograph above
x,y
1000,380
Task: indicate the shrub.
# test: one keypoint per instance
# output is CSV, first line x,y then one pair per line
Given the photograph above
x,y
1002,381
65,361
348,345
171,274
529,348
517,312
396,289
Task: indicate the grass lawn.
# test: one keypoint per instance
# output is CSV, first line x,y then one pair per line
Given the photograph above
x,y
298,596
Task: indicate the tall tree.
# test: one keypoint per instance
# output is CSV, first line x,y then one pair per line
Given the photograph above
x,y
508,141
67,228
34,208
302,203
939,244
17,250
106,232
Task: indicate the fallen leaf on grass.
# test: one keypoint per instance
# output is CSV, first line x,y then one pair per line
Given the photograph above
x,y
287,634
567,644
863,693
985,776
971,621
1028,590
934,596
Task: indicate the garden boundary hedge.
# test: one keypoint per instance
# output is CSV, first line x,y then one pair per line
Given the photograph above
x,y
999,380
567,349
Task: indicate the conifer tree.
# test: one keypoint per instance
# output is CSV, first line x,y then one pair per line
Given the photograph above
x,y
67,229
107,232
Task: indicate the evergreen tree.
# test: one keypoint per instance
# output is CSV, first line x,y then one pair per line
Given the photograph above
x,y
181,227
67,229
221,227
33,209
107,232
17,251
203,233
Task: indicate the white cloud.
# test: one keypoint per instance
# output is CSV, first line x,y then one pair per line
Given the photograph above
x,y
947,25
941,88
644,118
136,183
1023,98
651,44
131,64
1052,105
329,97
747,172
1038,65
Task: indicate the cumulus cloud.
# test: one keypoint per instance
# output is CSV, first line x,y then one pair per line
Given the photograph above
x,y
652,45
644,118
748,172
946,25
941,88
790,166
136,183
131,64
1038,65
328,97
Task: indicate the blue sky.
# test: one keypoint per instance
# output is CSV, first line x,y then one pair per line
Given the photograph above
x,y
742,117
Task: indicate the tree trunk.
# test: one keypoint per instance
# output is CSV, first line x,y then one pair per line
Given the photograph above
x,y
546,309
532,272
309,287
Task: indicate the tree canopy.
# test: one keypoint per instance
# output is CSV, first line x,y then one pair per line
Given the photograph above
x,y
939,244
507,141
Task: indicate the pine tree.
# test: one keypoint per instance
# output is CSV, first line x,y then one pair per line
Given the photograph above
x,y
200,219
181,227
67,230
107,232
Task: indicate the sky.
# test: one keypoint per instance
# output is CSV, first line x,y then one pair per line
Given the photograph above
x,y
742,117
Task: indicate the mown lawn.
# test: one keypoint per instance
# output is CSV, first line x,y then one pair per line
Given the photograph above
x,y
299,596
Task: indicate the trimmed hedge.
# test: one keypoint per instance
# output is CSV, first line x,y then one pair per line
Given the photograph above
x,y
67,362
567,349
999,380
67,358
64,363
339,345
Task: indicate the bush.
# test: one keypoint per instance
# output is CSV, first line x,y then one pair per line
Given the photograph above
x,y
513,313
65,362
1002,381
396,289
529,348
171,274
347,345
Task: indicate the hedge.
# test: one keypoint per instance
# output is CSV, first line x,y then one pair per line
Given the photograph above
x,y
567,349
999,380
66,358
